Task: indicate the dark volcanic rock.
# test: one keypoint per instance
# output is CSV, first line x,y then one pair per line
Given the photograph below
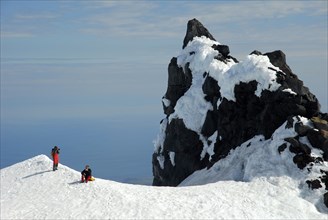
x,y
236,121
325,199
178,83
195,29
278,59
223,49
314,184
186,147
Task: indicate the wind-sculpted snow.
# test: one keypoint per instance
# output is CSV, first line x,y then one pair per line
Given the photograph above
x,y
31,190
201,55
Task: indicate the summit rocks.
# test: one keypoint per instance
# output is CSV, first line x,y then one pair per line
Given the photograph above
x,y
215,103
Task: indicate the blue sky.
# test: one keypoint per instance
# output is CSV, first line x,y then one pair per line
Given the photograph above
x,y
108,59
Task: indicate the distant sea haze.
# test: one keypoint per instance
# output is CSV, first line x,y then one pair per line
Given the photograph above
x,y
117,149
100,111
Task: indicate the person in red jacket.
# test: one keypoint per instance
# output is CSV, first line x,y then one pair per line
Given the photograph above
x,y
55,157
86,174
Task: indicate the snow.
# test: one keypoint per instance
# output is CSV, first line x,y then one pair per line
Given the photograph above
x,y
166,102
289,91
172,156
159,141
208,146
161,161
259,160
254,181
192,106
31,190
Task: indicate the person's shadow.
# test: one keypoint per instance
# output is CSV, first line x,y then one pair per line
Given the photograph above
x,y
38,173
75,182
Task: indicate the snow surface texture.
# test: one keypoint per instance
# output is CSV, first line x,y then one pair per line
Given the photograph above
x,y
31,190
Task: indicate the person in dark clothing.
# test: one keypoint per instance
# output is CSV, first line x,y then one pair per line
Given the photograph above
x,y
55,157
86,174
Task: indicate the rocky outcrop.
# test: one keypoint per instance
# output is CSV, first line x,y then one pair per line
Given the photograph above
x,y
195,29
228,121
304,157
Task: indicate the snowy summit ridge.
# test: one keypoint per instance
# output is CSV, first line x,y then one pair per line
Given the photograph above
x,y
31,190
254,115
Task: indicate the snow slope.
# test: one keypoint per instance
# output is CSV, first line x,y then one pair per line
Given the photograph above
x,y
30,190
259,159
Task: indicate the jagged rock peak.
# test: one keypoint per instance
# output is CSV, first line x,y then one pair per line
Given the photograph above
x,y
214,105
195,29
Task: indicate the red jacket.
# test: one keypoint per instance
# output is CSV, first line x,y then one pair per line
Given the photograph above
x,y
54,154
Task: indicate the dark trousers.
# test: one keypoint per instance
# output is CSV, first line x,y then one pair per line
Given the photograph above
x,y
86,179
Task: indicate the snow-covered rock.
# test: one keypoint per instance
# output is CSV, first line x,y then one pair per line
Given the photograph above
x,y
215,104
